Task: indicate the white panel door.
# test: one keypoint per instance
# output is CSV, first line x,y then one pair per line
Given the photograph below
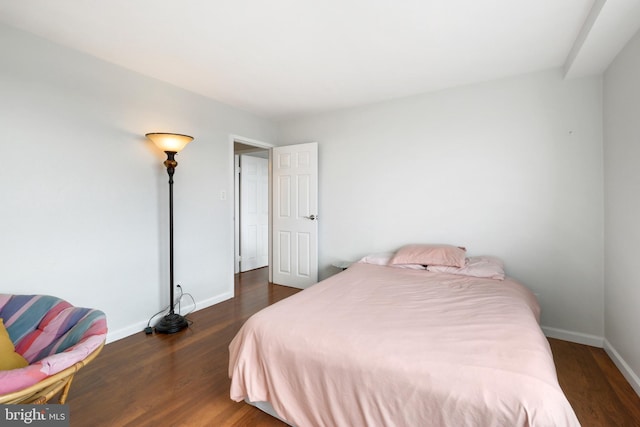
x,y
254,212
295,214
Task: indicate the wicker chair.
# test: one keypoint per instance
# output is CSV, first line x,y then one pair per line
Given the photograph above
x,y
56,338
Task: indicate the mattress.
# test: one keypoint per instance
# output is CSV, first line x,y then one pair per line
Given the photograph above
x,y
383,346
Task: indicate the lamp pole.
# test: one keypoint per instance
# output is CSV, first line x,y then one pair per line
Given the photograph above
x,y
170,144
172,322
171,164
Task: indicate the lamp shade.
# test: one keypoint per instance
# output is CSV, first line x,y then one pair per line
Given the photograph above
x,y
173,142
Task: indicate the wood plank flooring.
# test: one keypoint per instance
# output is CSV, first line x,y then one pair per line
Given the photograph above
x,y
599,394
181,379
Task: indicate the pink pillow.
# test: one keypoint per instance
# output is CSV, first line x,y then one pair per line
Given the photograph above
x,y
448,255
479,266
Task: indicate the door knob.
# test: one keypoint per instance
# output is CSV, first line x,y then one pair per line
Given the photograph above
x,y
311,217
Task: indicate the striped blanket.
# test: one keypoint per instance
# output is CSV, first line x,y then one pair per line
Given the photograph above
x,y
50,333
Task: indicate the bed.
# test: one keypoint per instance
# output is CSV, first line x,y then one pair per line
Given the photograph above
x,y
377,345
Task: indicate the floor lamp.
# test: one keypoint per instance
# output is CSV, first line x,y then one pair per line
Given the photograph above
x,y
171,144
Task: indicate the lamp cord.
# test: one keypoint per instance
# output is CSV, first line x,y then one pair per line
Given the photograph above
x,y
182,295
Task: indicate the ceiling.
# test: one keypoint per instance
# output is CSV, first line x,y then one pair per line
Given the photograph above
x,y
286,58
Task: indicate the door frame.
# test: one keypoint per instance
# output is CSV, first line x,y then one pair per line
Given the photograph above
x,y
235,211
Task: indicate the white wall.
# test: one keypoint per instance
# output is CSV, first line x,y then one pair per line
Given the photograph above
x,y
85,196
511,168
622,206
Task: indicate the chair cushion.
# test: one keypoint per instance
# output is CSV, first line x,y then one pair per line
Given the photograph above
x,y
9,359
50,334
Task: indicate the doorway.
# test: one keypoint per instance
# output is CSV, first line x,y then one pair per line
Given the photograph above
x,y
252,219
292,176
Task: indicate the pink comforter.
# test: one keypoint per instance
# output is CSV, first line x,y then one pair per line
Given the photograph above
x,y
383,346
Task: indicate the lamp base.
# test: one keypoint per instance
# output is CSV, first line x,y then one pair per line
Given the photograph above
x,y
171,323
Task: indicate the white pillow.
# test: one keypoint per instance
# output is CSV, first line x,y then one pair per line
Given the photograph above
x,y
384,258
479,266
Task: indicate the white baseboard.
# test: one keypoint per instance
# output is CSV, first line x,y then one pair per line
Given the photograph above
x,y
596,341
577,337
185,308
626,370
126,331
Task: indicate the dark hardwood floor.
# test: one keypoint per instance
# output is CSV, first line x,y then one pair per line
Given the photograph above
x,y
599,394
181,379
